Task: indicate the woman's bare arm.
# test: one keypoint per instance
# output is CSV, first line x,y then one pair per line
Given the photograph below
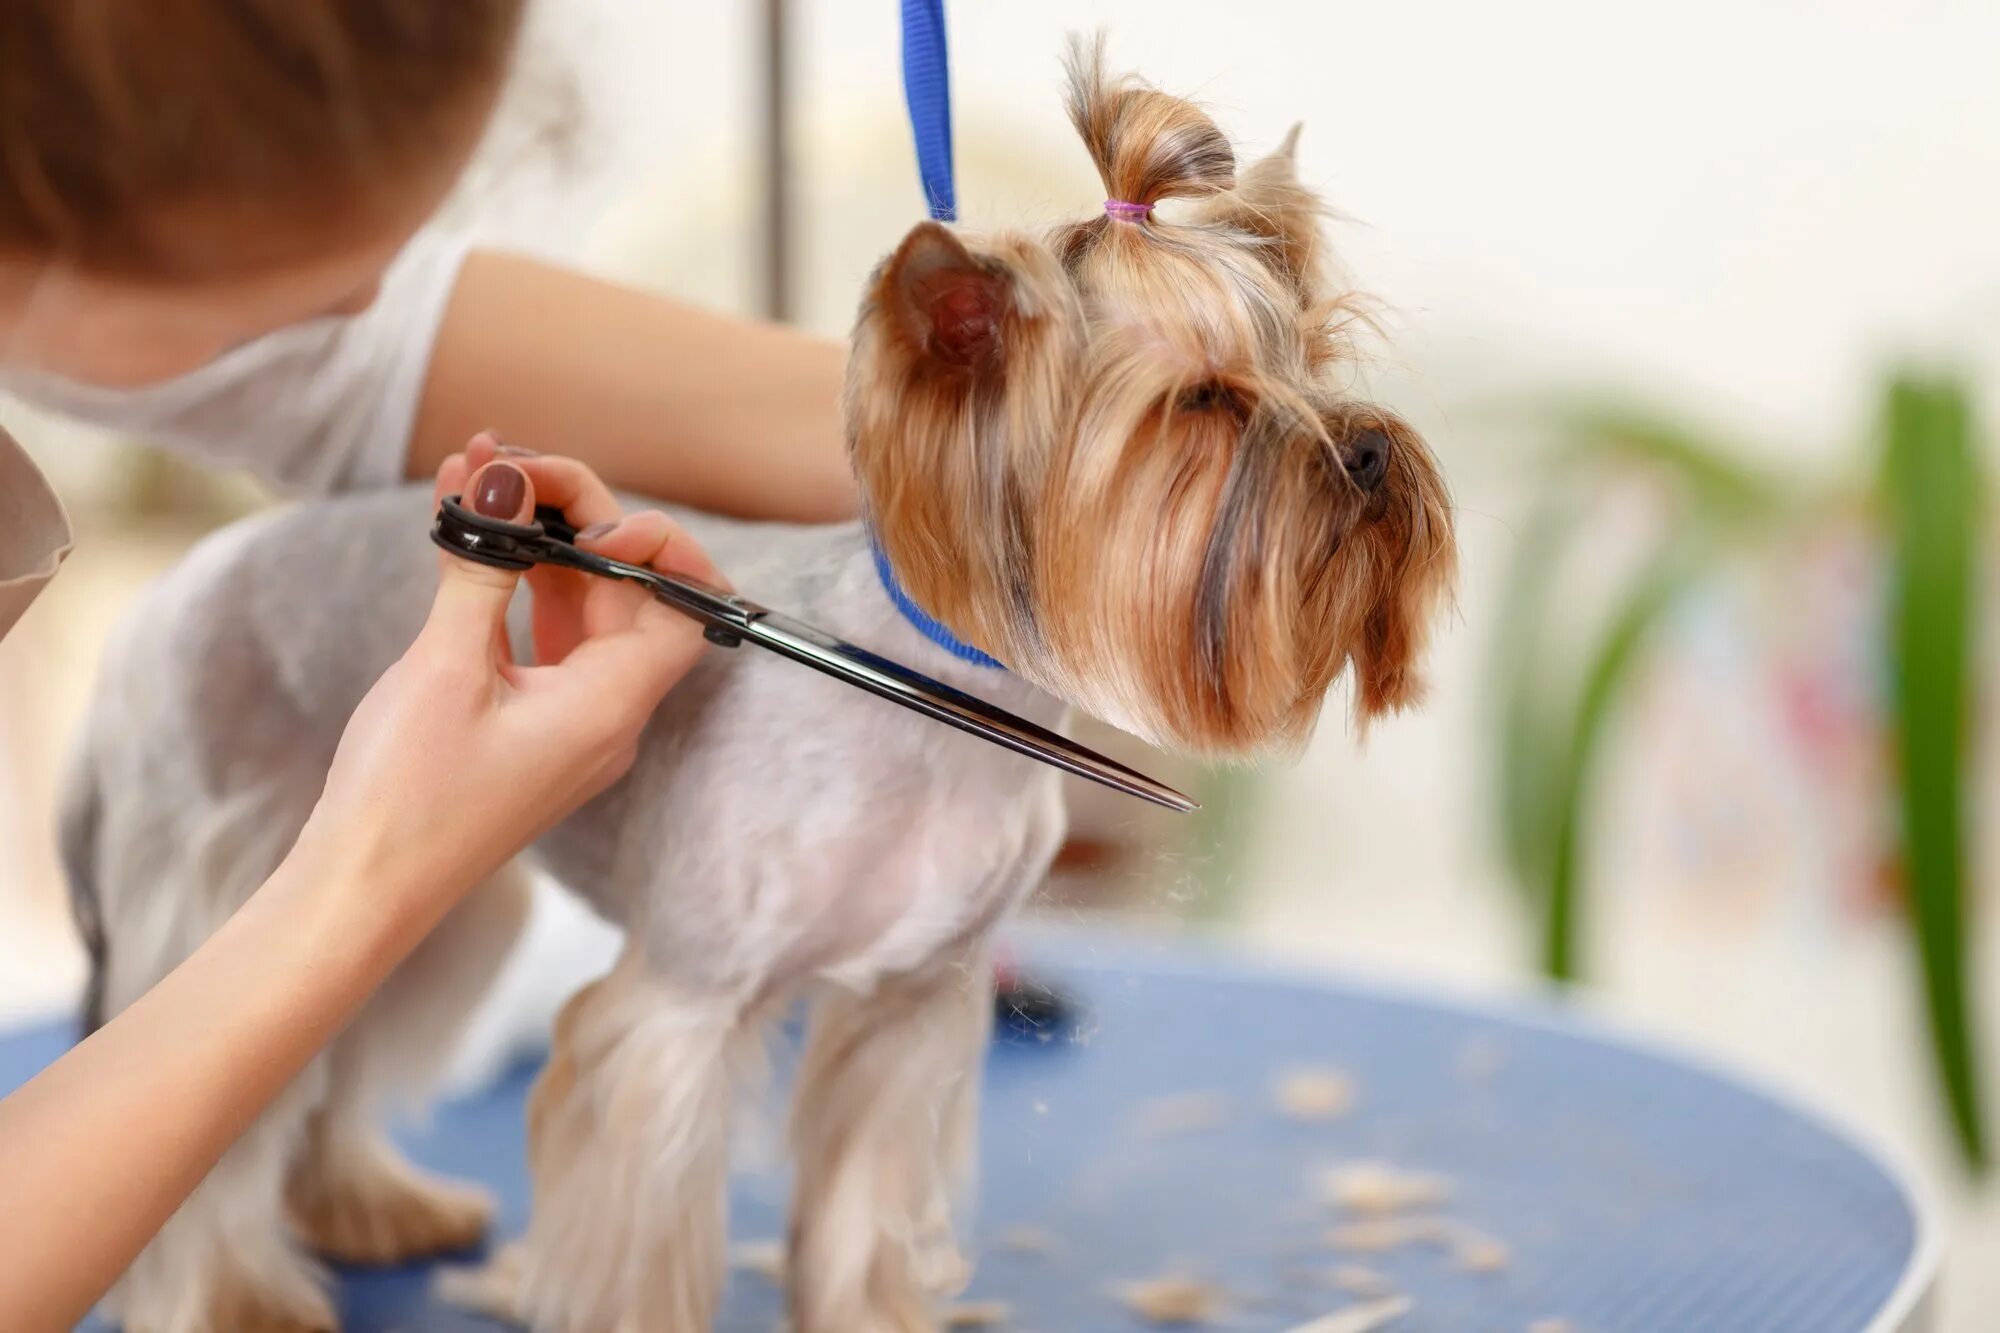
x,y
660,398
100,1148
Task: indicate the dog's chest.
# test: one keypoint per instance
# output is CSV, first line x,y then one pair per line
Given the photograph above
x,y
781,826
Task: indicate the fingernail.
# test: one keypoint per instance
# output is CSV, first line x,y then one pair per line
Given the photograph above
x,y
499,491
596,530
512,450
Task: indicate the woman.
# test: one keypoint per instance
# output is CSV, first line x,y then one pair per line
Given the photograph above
x,y
212,221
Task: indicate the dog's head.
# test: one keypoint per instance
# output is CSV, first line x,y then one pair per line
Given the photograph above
x,y
1117,458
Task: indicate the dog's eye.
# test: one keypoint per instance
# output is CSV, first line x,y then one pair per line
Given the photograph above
x,y
1207,397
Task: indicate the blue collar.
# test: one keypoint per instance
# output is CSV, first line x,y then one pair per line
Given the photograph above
x,y
922,620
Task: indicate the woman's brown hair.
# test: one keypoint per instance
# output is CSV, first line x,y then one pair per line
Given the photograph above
x,y
114,114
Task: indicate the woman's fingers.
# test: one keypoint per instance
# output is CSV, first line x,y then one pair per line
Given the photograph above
x,y
570,486
450,480
618,677
482,449
559,594
635,539
633,648
471,605
573,611
591,507
563,482
559,598
649,537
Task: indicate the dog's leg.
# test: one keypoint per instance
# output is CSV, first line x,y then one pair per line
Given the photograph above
x,y
883,1120
351,1195
628,1143
496,1288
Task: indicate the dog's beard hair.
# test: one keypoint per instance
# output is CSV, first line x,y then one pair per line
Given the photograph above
x,y
1164,579
1398,572
1116,459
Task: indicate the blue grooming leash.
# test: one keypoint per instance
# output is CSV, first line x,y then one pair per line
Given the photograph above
x,y
927,88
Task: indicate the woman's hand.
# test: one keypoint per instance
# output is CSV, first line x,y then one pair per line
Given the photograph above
x,y
460,756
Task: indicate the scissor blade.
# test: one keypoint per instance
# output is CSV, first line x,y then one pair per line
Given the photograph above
x,y
730,619
934,699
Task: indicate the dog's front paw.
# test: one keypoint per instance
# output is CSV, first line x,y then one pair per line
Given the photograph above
x,y
381,1210
238,1307
492,1289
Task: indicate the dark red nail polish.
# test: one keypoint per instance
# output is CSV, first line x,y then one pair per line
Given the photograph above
x,y
500,490
596,530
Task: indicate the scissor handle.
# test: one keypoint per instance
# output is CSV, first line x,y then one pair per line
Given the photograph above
x,y
488,541
550,540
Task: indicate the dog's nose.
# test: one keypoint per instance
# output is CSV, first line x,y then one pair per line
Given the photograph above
x,y
1366,458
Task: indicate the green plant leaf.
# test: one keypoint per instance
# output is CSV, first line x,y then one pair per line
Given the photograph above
x,y
1595,439
1549,720
1521,691
1725,491
1610,668
1930,486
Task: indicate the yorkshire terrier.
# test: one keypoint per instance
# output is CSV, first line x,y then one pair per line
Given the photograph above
x,y
1116,458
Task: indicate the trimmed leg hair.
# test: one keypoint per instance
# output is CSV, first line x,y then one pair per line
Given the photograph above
x,y
883,1125
628,1144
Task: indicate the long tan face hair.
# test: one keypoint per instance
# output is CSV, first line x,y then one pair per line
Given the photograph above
x,y
1116,457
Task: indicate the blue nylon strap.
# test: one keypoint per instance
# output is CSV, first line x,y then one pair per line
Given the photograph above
x,y
927,89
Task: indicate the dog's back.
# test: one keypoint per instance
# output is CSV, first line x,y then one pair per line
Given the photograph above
x,y
223,694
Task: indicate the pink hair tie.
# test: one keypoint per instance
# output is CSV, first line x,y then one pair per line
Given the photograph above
x,y
1120,208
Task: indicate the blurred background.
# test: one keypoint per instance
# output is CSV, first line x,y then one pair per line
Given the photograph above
x,y
1699,306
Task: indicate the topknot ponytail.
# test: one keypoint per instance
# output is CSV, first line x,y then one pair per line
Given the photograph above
x,y
1148,145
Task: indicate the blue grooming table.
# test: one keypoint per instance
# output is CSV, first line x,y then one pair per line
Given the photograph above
x,y
1637,1192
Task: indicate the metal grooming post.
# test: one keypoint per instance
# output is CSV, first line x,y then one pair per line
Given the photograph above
x,y
774,157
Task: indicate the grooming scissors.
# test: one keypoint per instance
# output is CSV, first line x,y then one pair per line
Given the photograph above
x,y
729,620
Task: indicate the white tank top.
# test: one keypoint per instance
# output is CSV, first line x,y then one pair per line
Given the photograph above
x,y
323,406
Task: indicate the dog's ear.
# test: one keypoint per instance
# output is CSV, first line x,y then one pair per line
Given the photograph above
x,y
948,302
1269,202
